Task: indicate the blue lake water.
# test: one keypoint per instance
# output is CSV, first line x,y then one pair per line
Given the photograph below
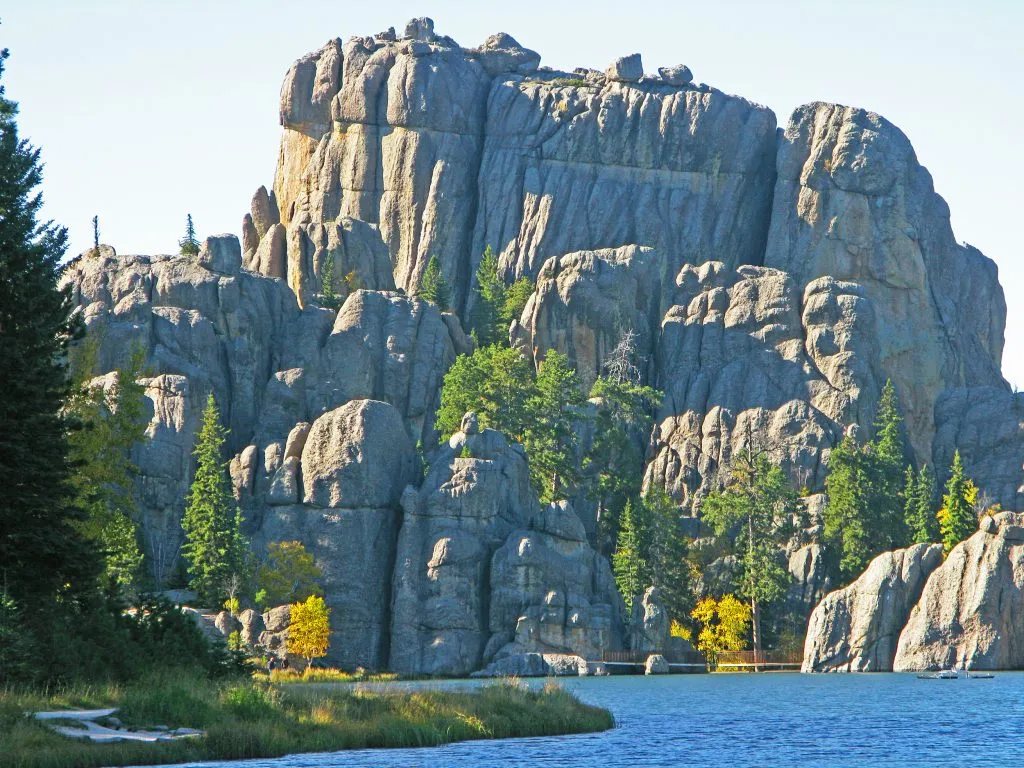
x,y
737,720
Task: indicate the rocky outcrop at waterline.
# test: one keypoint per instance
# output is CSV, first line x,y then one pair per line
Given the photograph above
x,y
773,282
910,610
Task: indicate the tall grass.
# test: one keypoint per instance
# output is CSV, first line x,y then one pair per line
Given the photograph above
x,y
256,719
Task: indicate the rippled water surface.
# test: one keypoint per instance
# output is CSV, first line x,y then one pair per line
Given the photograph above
x,y
876,720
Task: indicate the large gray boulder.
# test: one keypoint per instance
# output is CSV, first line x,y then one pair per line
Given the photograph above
x,y
855,629
656,664
626,69
650,624
357,455
971,611
536,665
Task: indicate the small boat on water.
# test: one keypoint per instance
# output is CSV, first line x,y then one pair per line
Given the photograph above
x,y
956,674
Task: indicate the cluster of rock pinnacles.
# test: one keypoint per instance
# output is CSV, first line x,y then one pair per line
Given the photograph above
x,y
774,280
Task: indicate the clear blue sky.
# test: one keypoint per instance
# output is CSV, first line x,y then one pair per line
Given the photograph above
x,y
148,110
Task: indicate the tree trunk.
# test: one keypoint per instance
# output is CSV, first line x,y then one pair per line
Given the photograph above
x,y
755,610
755,619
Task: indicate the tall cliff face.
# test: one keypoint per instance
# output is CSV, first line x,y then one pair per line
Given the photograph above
x,y
853,203
448,150
773,281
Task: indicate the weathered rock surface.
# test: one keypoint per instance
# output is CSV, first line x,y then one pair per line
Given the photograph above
x,y
852,203
856,629
447,149
551,592
971,611
656,664
452,526
357,455
745,350
773,283
537,665
986,424
650,623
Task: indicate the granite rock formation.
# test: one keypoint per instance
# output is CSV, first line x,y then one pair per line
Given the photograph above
x,y
773,282
911,610
855,629
971,612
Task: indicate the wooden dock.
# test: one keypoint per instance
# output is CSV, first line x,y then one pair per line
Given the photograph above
x,y
634,662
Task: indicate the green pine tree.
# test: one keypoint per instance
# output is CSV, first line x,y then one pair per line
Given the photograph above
x,y
95,235
214,548
45,561
554,413
434,287
756,509
667,553
925,496
956,516
516,296
888,461
486,317
615,459
866,511
328,291
189,244
15,642
628,563
919,493
496,382
847,524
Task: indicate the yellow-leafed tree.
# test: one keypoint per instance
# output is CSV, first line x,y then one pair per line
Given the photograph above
x,y
724,625
309,632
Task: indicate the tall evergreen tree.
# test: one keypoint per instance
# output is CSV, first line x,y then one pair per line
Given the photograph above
x,y
925,497
889,460
43,555
628,563
189,244
95,235
668,551
956,517
434,287
623,417
756,509
487,315
919,496
866,511
847,523
554,412
112,418
495,304
214,546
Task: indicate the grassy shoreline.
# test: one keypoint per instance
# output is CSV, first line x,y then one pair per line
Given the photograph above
x,y
254,719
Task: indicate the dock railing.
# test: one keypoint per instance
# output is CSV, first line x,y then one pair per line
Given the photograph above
x,y
640,657
760,659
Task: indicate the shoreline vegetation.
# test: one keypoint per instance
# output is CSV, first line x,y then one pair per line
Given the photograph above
x,y
255,719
